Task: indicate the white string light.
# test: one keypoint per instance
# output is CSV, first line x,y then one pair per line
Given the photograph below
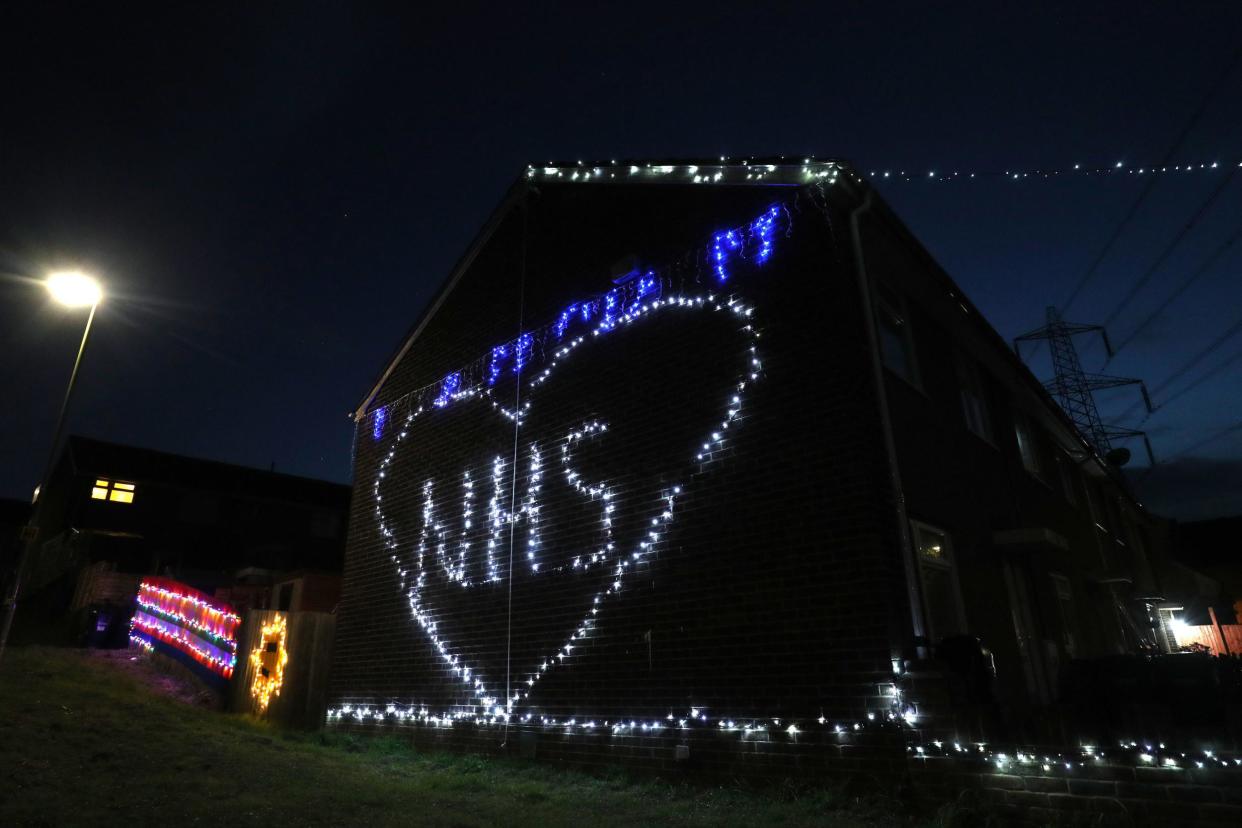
x,y
484,703
1116,170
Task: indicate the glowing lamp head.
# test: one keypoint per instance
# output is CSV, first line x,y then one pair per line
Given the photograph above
x,y
74,290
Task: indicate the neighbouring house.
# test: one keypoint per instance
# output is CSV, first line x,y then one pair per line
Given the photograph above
x,y
717,447
114,513
1214,548
14,514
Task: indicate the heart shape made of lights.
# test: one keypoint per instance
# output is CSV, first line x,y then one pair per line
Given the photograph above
x,y
481,557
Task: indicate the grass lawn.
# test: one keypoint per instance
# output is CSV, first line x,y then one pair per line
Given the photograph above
x,y
86,740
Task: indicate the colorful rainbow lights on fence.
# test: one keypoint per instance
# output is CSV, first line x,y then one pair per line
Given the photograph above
x,y
176,616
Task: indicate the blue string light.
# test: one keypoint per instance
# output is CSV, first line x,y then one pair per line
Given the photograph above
x,y
612,304
764,227
377,427
525,343
499,354
647,285
562,321
723,246
448,387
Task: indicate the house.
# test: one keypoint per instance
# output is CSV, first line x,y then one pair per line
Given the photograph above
x,y
718,447
114,512
1212,548
14,514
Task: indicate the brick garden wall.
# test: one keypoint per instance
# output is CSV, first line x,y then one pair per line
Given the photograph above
x,y
1091,793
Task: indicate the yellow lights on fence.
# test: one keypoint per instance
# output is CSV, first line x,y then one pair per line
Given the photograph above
x,y
114,490
268,660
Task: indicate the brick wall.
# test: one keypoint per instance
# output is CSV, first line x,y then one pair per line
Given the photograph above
x,y
772,592
975,487
1090,793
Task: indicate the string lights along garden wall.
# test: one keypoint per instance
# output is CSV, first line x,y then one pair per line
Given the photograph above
x,y
176,619
533,510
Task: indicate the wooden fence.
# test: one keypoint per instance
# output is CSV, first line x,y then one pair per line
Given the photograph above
x,y
302,696
1208,637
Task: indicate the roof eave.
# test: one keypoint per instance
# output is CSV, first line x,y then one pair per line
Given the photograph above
x,y
514,194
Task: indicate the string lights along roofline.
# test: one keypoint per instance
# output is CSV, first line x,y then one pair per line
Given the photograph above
x,y
775,171
785,171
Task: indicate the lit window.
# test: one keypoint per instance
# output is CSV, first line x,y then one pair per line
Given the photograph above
x,y
974,402
942,597
896,346
115,490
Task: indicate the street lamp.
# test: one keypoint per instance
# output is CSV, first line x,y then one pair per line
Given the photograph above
x,y
74,290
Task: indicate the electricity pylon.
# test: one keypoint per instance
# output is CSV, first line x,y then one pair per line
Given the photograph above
x,y
1074,388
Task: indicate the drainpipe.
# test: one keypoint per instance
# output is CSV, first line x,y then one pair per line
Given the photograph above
x,y
886,423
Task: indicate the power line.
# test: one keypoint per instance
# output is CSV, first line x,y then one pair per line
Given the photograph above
x,y
1181,370
1182,288
1202,355
1221,366
1142,281
1211,438
1151,182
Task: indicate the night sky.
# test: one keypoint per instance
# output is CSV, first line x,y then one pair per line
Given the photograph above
x,y
272,198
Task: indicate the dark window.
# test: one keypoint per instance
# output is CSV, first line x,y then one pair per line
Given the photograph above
x,y
284,597
1112,509
974,399
1093,504
1065,609
896,345
1065,468
1028,446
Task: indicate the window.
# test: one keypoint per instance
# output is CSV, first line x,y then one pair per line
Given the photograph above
x,y
1112,510
113,490
1065,610
1093,505
896,346
974,403
942,598
1137,541
1065,468
1169,624
1027,446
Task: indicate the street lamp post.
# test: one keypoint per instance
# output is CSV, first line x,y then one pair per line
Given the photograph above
x,y
73,290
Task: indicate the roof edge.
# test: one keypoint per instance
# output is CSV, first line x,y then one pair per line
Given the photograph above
x,y
512,196
749,170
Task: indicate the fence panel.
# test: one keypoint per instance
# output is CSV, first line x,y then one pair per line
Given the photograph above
x,y
300,698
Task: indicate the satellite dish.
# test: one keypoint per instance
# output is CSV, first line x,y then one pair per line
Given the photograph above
x,y
1118,456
